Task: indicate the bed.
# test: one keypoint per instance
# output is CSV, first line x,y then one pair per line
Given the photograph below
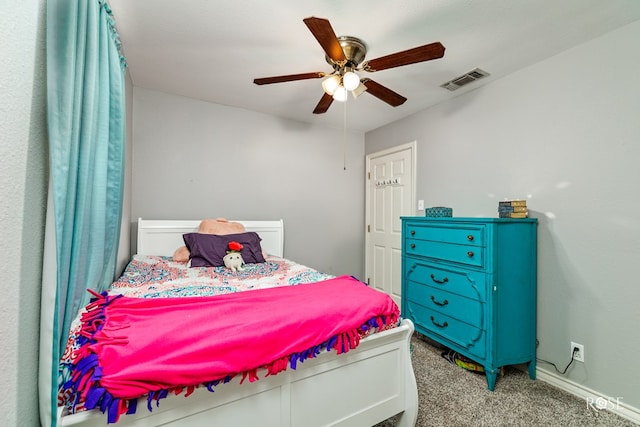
x,y
361,387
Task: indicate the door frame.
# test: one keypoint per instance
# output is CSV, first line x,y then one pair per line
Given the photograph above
x,y
412,146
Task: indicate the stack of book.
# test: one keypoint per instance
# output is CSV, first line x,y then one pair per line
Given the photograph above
x,y
513,209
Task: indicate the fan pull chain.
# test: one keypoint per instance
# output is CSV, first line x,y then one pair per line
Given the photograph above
x,y
344,135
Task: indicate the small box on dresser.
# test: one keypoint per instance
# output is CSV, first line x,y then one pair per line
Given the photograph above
x,y
470,284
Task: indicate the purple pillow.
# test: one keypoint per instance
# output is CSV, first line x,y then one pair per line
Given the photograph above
x,y
207,250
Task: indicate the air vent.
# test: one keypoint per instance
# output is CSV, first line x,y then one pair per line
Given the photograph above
x,y
465,79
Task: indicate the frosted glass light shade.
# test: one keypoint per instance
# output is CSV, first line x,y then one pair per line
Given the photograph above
x,y
340,94
350,80
330,84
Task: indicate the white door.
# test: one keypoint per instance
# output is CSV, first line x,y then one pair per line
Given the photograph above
x,y
390,194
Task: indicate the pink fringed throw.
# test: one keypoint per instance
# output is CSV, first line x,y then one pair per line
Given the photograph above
x,y
132,347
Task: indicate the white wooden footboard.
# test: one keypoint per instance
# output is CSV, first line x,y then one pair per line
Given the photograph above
x,y
360,388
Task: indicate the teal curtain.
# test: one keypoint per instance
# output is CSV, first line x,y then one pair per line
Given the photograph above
x,y
86,122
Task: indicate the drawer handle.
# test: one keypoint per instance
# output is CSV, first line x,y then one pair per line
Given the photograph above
x,y
441,304
413,232
439,325
413,246
470,254
470,238
445,280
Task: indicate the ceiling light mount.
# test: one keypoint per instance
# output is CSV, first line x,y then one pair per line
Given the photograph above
x,y
354,49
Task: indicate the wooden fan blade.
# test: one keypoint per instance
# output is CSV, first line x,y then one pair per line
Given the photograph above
x,y
324,104
289,78
323,32
383,93
406,57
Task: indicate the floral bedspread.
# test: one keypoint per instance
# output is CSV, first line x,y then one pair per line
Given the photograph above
x,y
159,277
149,276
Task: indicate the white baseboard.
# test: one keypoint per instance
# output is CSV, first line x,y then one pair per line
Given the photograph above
x,y
593,399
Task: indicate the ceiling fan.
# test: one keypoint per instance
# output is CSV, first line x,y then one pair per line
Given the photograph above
x,y
346,55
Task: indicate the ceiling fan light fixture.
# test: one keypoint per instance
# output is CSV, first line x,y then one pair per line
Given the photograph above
x,y
340,94
359,89
330,84
350,80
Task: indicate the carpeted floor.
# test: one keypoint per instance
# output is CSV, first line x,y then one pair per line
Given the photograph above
x,y
451,396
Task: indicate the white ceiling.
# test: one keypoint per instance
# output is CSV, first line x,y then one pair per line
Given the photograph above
x,y
212,50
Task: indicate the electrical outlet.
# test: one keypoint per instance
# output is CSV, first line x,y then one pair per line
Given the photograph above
x,y
420,205
578,355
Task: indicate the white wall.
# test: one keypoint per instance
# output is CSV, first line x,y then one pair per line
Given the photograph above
x,y
564,133
23,172
194,160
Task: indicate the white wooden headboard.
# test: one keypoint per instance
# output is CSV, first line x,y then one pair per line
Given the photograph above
x,y
163,237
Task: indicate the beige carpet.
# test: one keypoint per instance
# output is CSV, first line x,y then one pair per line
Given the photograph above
x,y
451,396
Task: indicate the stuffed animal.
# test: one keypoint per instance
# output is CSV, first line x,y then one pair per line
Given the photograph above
x,y
233,259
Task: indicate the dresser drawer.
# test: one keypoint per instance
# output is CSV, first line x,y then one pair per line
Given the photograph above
x,y
467,283
448,329
457,234
462,254
458,307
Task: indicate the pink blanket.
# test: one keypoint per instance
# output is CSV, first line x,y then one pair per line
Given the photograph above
x,y
132,347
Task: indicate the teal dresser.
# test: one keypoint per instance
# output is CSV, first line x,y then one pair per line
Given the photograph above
x,y
470,284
